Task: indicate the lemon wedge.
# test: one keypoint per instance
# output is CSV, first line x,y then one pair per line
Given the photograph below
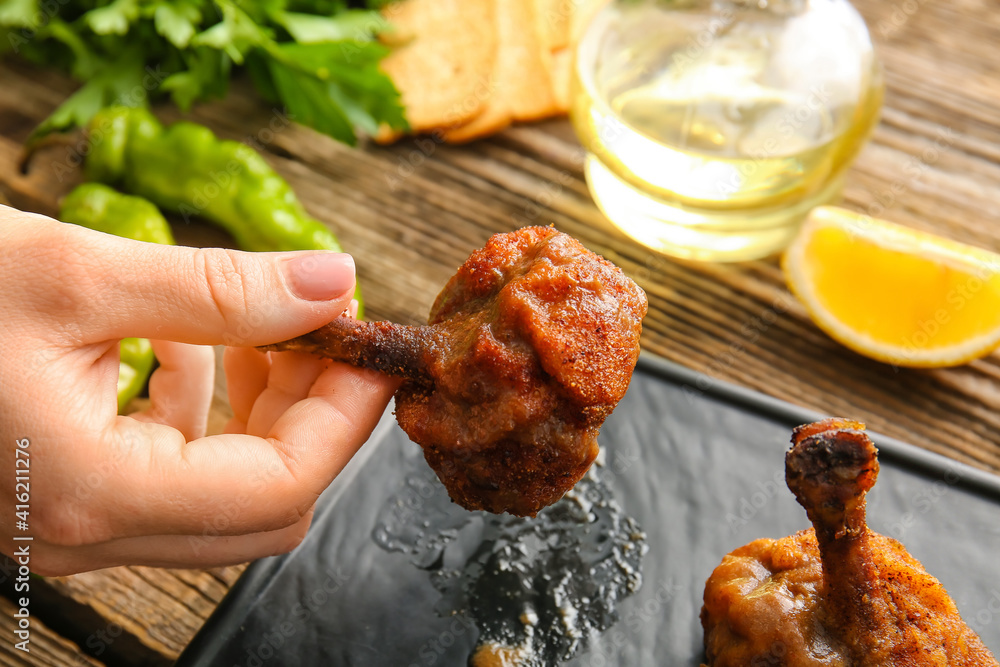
x,y
895,294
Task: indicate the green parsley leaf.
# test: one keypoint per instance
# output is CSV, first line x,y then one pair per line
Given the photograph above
x,y
321,7
206,76
358,87
260,74
113,19
319,58
308,101
235,34
77,110
177,21
120,83
19,13
85,62
311,29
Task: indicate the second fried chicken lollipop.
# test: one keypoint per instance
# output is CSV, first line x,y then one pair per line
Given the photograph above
x,y
527,350
836,594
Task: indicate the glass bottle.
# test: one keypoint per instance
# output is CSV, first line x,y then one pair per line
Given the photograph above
x,y
714,126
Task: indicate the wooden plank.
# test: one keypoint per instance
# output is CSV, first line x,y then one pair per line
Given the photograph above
x,y
45,647
162,609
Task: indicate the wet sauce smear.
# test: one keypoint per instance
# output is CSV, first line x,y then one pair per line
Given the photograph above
x,y
537,588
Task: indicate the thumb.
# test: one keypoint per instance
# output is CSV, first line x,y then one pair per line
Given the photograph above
x,y
206,296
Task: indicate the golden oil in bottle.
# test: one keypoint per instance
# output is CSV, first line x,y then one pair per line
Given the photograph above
x,y
713,126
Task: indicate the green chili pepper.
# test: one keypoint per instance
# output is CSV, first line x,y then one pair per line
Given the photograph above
x,y
99,207
134,369
186,169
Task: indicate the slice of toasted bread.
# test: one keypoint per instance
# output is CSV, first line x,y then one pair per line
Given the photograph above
x,y
444,66
522,89
561,71
495,117
528,86
554,17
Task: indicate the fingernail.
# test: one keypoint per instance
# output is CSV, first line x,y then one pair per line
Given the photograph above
x,y
320,276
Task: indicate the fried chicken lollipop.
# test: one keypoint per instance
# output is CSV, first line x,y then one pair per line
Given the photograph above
x,y
528,349
836,594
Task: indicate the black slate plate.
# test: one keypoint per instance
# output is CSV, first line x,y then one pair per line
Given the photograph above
x,y
699,464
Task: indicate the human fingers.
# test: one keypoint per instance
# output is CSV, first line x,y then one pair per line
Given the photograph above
x,y
246,371
204,550
104,287
159,483
291,376
180,390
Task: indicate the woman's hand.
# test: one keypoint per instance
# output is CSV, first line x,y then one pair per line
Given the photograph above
x,y
150,488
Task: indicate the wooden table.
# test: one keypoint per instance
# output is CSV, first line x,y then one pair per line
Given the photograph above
x,y
410,213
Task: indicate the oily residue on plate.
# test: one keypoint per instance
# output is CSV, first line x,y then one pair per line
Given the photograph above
x,y
538,589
